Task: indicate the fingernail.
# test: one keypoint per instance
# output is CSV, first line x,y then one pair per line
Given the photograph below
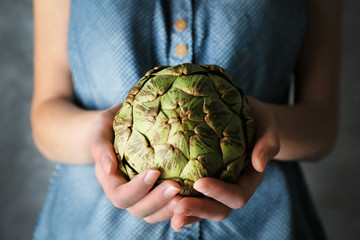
x,y
106,162
179,226
201,187
188,225
151,177
171,191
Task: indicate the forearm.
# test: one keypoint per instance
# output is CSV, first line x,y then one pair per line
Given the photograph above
x,y
307,131
61,131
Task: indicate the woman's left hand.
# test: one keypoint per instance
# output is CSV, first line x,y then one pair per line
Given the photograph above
x,y
222,197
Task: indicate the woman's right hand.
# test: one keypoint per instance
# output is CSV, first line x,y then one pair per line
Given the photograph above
x,y
153,206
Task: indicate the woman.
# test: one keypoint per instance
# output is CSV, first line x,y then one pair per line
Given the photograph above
x,y
88,54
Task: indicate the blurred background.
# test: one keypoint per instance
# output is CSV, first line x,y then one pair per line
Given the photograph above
x,y
24,173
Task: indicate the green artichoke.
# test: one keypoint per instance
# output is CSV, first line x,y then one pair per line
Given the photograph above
x,y
188,121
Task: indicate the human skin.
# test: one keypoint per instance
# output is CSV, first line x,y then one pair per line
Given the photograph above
x,y
305,131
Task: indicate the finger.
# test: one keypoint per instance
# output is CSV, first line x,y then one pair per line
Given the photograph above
x,y
232,195
115,108
158,198
164,213
124,194
204,208
179,221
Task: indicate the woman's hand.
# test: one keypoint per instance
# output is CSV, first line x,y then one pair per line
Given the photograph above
x,y
223,197
162,203
135,196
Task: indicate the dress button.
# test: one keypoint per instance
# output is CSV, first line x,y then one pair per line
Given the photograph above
x,y
180,25
181,50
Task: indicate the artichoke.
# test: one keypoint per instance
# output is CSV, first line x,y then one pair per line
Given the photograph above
x,y
188,121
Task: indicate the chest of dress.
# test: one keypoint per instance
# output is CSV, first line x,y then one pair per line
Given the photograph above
x,y
113,43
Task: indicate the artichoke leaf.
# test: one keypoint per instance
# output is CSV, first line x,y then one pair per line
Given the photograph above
x,y
207,133
235,128
249,124
179,96
180,140
187,188
194,170
121,138
233,170
237,108
175,128
146,94
144,115
218,115
214,69
142,160
232,148
161,118
158,134
168,71
147,108
215,106
194,109
190,124
196,85
172,115
128,170
204,166
136,143
124,117
234,144
199,146
228,92
212,162
170,161
168,102
135,89
188,68
161,84
217,123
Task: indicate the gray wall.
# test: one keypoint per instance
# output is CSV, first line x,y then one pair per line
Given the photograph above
x,y
24,173
335,181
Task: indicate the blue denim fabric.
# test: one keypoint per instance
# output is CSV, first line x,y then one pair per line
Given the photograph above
x,y
113,43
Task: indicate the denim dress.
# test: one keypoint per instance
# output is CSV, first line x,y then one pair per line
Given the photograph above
x,y
113,43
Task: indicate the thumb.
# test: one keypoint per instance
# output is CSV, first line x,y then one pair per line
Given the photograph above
x,y
267,143
103,153
101,142
265,149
